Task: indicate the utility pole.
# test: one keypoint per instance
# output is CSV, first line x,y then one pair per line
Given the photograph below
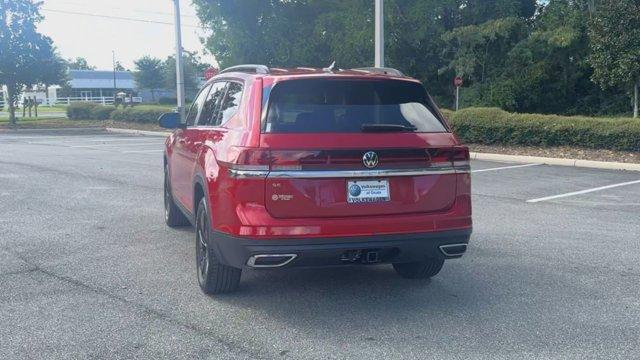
x,y
379,36
113,57
179,65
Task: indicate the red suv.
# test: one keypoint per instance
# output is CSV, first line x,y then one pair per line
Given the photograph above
x,y
316,167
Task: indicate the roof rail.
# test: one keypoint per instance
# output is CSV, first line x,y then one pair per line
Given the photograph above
x,y
381,70
249,68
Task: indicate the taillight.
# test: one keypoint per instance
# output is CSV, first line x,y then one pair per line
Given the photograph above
x,y
247,159
458,157
258,159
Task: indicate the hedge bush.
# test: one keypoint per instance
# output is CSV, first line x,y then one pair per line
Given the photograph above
x,y
90,111
137,115
102,112
496,126
81,110
167,100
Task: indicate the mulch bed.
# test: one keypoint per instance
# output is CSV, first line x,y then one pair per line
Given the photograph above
x,y
565,152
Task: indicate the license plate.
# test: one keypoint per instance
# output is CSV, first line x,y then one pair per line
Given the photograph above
x,y
367,191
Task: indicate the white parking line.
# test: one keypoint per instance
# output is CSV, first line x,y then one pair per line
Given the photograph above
x,y
504,168
583,191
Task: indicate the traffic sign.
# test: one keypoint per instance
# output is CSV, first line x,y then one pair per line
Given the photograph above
x,y
210,72
457,81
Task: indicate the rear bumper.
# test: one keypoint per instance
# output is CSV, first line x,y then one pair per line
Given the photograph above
x,y
239,251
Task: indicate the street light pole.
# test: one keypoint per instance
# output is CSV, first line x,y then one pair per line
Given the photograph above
x,y
179,64
113,57
379,36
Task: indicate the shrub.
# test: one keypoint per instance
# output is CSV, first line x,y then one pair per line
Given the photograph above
x,y
80,110
101,112
167,101
88,111
137,115
171,101
496,126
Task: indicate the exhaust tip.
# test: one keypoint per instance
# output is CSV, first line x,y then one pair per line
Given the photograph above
x,y
453,250
270,260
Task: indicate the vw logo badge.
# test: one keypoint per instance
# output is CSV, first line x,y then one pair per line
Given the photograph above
x,y
370,159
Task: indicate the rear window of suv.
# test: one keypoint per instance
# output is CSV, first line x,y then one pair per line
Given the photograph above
x,y
337,105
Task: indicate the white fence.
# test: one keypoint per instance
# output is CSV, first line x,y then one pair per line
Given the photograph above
x,y
104,100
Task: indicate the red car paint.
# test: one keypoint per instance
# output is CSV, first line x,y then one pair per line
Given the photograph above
x,y
271,209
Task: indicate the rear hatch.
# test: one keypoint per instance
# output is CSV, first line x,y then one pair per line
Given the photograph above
x,y
347,147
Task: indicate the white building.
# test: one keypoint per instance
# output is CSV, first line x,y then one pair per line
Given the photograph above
x,y
97,83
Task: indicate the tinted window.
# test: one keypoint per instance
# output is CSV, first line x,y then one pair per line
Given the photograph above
x,y
196,107
331,105
231,101
210,114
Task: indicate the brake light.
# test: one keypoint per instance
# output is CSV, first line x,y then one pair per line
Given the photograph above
x,y
458,157
262,159
249,159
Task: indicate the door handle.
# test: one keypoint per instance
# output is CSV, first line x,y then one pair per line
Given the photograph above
x,y
197,144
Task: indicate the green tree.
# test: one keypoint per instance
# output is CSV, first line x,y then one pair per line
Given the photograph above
x,y
149,74
615,45
478,51
119,67
79,63
193,70
546,71
23,51
275,33
53,71
521,55
316,32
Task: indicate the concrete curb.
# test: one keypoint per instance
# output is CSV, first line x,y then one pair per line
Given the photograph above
x,y
138,132
556,161
52,130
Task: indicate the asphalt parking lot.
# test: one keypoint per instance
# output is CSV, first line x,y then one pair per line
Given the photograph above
x,y
89,270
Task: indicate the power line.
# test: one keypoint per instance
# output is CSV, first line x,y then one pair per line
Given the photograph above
x,y
83,5
117,17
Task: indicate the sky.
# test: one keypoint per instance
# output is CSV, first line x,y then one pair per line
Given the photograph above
x,y
76,34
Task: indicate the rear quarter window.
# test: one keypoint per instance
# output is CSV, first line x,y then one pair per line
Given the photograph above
x,y
337,105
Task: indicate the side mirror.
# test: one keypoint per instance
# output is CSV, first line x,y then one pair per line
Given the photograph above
x,y
170,120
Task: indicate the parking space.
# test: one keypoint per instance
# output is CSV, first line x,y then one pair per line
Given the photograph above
x,y
100,142
88,268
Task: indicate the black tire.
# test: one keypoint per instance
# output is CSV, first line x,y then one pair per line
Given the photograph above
x,y
213,277
419,270
173,216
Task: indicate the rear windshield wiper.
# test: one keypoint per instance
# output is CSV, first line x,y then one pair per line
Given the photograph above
x,y
387,127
